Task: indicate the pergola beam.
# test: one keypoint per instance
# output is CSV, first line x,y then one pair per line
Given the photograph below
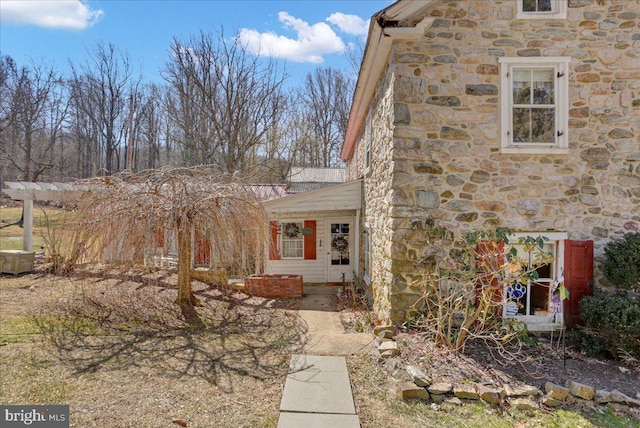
x,y
28,192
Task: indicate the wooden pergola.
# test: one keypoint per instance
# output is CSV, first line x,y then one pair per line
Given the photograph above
x,y
27,192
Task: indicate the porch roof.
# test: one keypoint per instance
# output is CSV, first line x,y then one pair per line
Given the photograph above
x,y
341,197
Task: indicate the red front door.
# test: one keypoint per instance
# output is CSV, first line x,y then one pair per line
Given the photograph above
x,y
578,277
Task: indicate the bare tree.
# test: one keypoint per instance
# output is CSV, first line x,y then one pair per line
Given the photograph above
x,y
32,114
150,125
325,97
355,53
101,90
120,218
224,100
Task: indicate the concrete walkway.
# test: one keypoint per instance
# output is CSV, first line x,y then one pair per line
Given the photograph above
x,y
317,391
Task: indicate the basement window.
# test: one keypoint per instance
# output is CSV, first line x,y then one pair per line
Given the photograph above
x,y
536,299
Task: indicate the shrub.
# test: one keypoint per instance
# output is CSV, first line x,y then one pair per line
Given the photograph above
x,y
462,282
612,324
622,262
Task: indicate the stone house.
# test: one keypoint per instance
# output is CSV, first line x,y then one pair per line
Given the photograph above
x,y
518,113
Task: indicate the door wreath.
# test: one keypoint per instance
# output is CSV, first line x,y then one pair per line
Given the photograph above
x,y
340,243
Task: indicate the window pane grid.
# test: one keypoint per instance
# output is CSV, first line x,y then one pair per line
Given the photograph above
x,y
537,6
534,110
292,240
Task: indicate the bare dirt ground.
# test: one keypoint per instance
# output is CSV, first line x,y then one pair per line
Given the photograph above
x,y
541,360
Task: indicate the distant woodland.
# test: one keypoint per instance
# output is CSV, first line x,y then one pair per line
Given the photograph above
x,y
216,105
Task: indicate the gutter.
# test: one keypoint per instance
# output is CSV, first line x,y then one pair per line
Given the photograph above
x,y
400,21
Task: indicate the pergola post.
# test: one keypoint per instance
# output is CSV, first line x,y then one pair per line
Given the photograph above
x,y
27,192
27,224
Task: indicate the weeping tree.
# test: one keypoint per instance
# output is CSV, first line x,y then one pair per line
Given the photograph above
x,y
125,217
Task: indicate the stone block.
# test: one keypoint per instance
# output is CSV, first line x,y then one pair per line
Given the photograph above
x,y
440,388
556,391
602,396
584,403
379,328
466,390
491,394
401,114
418,376
520,390
550,401
385,334
438,398
580,390
455,401
390,349
482,89
523,403
619,397
618,407
411,391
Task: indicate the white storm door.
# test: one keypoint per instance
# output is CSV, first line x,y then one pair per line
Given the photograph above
x,y
340,249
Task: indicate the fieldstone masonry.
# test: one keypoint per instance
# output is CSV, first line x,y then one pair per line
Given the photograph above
x,y
434,127
415,384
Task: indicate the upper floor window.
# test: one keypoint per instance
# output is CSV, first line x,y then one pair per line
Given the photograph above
x,y
542,9
534,111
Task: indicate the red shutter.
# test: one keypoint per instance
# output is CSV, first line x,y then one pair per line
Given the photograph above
x,y
578,277
274,251
310,241
202,250
490,264
159,237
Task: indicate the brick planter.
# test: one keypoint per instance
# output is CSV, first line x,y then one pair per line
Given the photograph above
x,y
274,285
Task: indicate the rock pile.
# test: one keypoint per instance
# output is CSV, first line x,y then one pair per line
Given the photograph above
x,y
414,384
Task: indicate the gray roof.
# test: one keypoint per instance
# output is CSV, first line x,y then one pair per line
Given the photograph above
x,y
317,175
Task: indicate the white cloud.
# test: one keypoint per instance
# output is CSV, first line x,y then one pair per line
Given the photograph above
x,y
57,14
350,24
312,42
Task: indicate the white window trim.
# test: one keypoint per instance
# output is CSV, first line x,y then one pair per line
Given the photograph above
x,y
282,239
558,11
561,68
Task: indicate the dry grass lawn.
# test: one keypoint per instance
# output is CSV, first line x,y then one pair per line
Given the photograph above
x,y
116,349
118,352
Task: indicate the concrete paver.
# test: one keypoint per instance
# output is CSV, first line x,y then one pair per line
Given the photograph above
x,y
317,384
297,420
317,391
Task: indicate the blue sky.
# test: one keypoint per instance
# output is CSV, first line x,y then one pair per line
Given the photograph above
x,y
303,33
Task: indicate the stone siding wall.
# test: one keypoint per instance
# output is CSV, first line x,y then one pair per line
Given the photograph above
x,y
443,158
377,192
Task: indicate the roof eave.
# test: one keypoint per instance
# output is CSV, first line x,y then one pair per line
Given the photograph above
x,y
400,21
